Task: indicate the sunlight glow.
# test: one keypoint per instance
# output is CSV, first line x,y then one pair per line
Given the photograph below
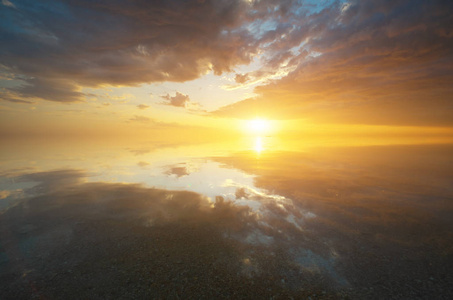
x,y
258,126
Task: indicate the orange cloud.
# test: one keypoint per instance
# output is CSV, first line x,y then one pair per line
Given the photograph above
x,y
367,62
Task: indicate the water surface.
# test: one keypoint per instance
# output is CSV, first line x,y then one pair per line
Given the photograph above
x,y
252,219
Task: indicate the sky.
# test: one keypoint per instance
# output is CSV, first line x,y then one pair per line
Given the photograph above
x,y
127,67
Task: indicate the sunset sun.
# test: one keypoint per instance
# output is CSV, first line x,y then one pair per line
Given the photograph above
x,y
258,126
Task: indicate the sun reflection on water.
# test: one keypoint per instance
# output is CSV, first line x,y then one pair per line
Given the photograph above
x,y
258,147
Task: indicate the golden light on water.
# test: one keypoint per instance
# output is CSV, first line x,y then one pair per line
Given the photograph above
x,y
258,147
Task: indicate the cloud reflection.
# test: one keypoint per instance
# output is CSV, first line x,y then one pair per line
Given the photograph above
x,y
327,220
178,171
369,208
76,219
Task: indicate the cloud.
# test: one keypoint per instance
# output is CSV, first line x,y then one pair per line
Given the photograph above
x,y
241,193
18,100
142,106
140,119
58,47
241,78
356,61
142,164
182,100
387,62
179,100
58,90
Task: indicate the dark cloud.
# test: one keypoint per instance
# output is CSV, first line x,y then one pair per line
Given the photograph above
x,y
59,46
142,106
59,90
361,62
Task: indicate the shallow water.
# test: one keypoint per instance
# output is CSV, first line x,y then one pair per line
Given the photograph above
x,y
250,219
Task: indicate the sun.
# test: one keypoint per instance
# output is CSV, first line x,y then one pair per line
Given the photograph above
x,y
258,126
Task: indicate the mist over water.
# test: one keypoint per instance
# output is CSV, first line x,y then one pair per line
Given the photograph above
x,y
253,219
